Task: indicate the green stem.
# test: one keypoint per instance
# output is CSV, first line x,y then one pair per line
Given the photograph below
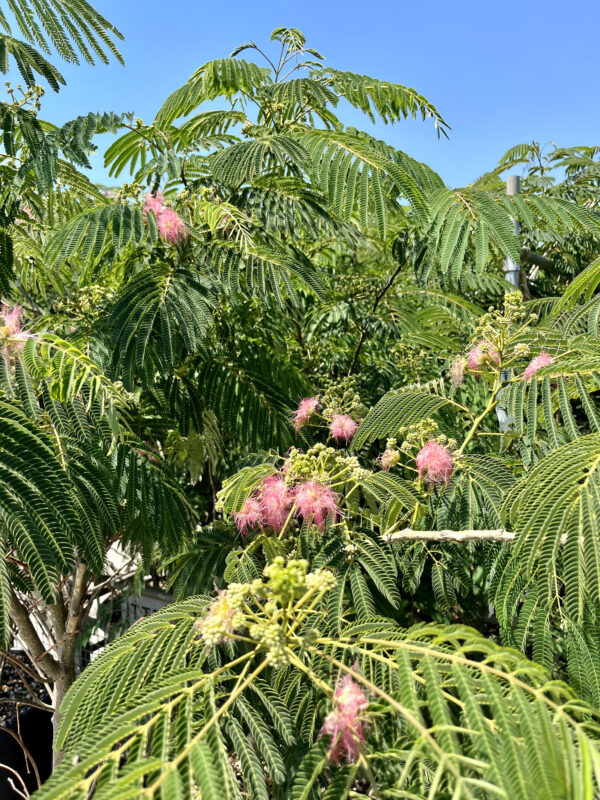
x,y
492,403
287,522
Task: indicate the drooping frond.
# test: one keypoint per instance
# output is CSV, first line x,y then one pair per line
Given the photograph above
x,y
222,77
159,315
89,234
287,206
244,161
463,217
71,27
67,370
581,289
357,175
553,511
264,269
389,101
253,395
29,62
398,409
39,510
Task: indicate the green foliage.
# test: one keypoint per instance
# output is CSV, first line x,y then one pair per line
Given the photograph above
x,y
431,691
70,27
439,564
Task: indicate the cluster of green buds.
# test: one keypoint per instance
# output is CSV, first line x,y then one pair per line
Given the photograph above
x,y
270,611
341,397
500,333
502,319
85,304
409,360
415,436
225,615
30,97
322,464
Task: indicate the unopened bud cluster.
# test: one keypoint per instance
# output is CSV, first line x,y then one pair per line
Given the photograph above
x,y
263,608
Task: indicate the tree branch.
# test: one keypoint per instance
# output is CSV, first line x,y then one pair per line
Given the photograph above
x,y
79,589
407,534
31,640
379,297
496,535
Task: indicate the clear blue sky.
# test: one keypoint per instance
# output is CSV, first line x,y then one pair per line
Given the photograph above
x,y
499,72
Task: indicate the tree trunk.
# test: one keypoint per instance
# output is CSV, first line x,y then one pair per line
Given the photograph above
x,y
61,687
61,623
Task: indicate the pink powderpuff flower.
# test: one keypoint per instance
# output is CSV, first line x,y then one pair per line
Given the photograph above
x,y
249,517
389,458
457,371
171,227
154,202
345,724
275,501
342,427
480,356
315,501
11,318
306,408
537,363
434,462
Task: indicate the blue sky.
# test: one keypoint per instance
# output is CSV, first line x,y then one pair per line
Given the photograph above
x,y
499,73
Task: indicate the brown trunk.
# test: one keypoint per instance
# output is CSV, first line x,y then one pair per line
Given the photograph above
x,y
61,687
56,664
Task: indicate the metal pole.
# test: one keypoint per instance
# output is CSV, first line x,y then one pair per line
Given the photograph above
x,y
512,270
512,273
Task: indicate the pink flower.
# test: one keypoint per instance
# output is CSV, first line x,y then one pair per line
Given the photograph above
x,y
457,371
154,202
342,426
315,501
434,462
537,363
481,356
12,320
250,516
389,458
305,410
28,215
275,501
344,724
171,227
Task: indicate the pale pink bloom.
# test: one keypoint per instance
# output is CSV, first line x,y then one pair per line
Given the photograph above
x,y
345,724
275,501
342,427
27,211
154,202
388,459
537,363
306,408
457,371
481,355
249,517
222,618
315,501
434,462
171,227
11,318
